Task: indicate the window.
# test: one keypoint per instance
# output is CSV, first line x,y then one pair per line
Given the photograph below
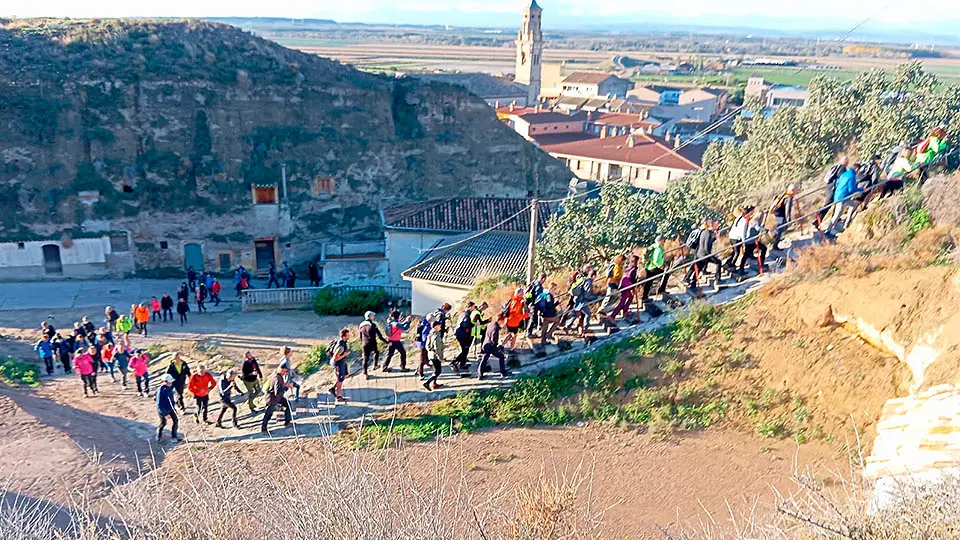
x,y
119,243
648,174
21,245
265,194
323,186
164,244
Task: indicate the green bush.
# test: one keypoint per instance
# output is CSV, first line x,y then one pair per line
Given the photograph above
x,y
315,358
353,302
14,371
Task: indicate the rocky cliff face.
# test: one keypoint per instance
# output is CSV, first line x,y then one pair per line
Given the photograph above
x,y
173,122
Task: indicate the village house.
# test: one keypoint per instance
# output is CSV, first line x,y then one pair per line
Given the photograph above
x,y
670,102
587,84
774,96
91,256
413,232
643,160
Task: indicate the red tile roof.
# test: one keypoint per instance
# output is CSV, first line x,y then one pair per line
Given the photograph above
x,y
505,109
623,119
586,77
465,214
647,150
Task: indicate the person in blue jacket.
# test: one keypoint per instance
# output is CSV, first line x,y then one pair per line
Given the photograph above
x,y
842,196
167,408
45,349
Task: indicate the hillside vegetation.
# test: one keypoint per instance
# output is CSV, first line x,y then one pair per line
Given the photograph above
x,y
174,117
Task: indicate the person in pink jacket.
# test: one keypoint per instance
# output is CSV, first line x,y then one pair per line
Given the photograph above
x,y
140,364
83,363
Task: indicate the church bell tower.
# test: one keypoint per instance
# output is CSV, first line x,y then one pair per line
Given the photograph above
x,y
530,52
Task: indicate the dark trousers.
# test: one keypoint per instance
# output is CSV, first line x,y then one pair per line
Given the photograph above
x,y
424,362
174,424
748,251
227,404
488,351
89,383
700,268
143,383
167,311
179,391
203,404
200,307
464,342
65,360
315,282
48,363
143,328
156,316
781,228
396,346
272,405
368,352
649,280
273,282
183,319
215,298
436,371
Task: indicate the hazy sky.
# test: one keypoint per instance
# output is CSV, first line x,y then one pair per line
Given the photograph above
x,y
788,13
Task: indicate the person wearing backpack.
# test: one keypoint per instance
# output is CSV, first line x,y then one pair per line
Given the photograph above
x,y
252,379
738,235
420,338
782,210
491,347
338,353
530,295
546,305
441,314
626,291
463,336
434,348
369,335
395,329
478,327
690,248
653,269
516,315
581,296
225,387
705,255
830,181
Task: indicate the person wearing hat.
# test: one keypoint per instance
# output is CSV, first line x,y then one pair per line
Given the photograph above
x,y
200,385
782,210
369,334
167,408
180,371
275,398
226,386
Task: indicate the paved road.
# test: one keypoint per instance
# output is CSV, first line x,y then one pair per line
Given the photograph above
x,y
82,294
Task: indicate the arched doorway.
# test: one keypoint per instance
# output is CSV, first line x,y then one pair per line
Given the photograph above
x,y
193,256
51,260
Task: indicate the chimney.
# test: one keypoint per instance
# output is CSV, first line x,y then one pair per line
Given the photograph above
x,y
513,106
666,137
676,142
496,104
630,142
650,129
537,108
603,132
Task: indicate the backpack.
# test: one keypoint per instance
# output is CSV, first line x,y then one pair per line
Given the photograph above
x,y
578,287
693,239
332,348
505,309
608,271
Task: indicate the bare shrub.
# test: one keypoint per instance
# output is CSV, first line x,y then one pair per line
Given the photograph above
x,y
310,489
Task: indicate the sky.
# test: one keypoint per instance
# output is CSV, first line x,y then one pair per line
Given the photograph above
x,y
923,16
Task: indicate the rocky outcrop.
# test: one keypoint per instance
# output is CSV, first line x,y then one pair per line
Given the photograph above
x,y
173,122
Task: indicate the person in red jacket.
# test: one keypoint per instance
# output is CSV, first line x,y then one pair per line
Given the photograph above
x,y
215,289
200,385
83,364
155,308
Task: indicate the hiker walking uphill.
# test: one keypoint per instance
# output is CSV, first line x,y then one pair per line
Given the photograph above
x,y
200,385
275,398
478,326
652,270
182,309
434,348
180,372
547,305
842,198
252,379
140,365
155,309
166,408
369,335
85,366
782,210
517,315
201,298
215,289
463,334
192,278
110,317
225,388
271,277
338,353
396,326
705,257
142,314
491,347
533,291
830,180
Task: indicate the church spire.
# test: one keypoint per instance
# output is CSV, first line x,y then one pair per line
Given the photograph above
x,y
530,51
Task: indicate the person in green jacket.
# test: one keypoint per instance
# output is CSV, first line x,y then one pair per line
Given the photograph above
x,y
654,268
124,325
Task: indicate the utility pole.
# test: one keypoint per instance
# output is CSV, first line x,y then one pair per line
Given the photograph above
x,y
532,245
283,180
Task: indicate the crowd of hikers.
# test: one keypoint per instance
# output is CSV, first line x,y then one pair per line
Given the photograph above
x,y
538,313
